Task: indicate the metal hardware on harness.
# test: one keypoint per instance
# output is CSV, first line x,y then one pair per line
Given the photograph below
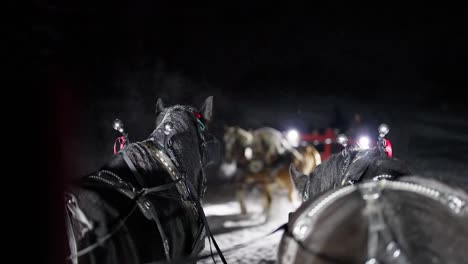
x,y
118,125
171,168
378,228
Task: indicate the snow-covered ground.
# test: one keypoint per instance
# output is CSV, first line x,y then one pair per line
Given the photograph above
x,y
233,229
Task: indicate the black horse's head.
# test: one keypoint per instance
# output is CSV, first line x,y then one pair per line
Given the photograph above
x,y
182,132
350,166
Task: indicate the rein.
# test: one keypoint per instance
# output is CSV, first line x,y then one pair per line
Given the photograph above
x,y
283,227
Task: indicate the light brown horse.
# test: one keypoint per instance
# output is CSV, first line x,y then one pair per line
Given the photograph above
x,y
262,158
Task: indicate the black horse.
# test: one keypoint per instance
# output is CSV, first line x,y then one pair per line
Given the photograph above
x,y
412,220
352,165
361,206
143,205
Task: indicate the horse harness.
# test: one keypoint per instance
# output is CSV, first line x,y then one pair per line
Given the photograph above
x,y
165,157
380,235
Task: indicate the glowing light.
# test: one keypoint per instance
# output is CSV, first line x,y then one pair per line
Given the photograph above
x,y
228,169
364,142
248,153
293,137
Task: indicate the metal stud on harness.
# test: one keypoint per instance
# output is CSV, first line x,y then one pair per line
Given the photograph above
x,y
378,230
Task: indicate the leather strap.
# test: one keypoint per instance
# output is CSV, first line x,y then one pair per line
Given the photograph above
x,y
71,239
203,217
164,239
130,165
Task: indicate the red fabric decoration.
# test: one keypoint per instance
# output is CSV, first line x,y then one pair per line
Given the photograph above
x,y
121,140
388,148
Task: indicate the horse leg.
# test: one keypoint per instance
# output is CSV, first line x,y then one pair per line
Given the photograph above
x,y
267,194
291,193
284,181
294,197
241,199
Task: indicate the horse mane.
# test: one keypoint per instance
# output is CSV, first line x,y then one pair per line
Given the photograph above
x,y
329,174
186,147
247,136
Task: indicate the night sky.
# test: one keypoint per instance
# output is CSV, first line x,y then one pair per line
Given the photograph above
x,y
277,65
256,52
265,65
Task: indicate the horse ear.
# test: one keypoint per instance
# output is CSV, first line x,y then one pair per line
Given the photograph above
x,y
299,180
159,106
207,108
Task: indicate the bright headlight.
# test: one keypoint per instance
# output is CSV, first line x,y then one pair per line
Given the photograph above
x,y
364,142
293,137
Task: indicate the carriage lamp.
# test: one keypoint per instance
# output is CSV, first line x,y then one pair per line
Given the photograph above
x,y
293,137
364,142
